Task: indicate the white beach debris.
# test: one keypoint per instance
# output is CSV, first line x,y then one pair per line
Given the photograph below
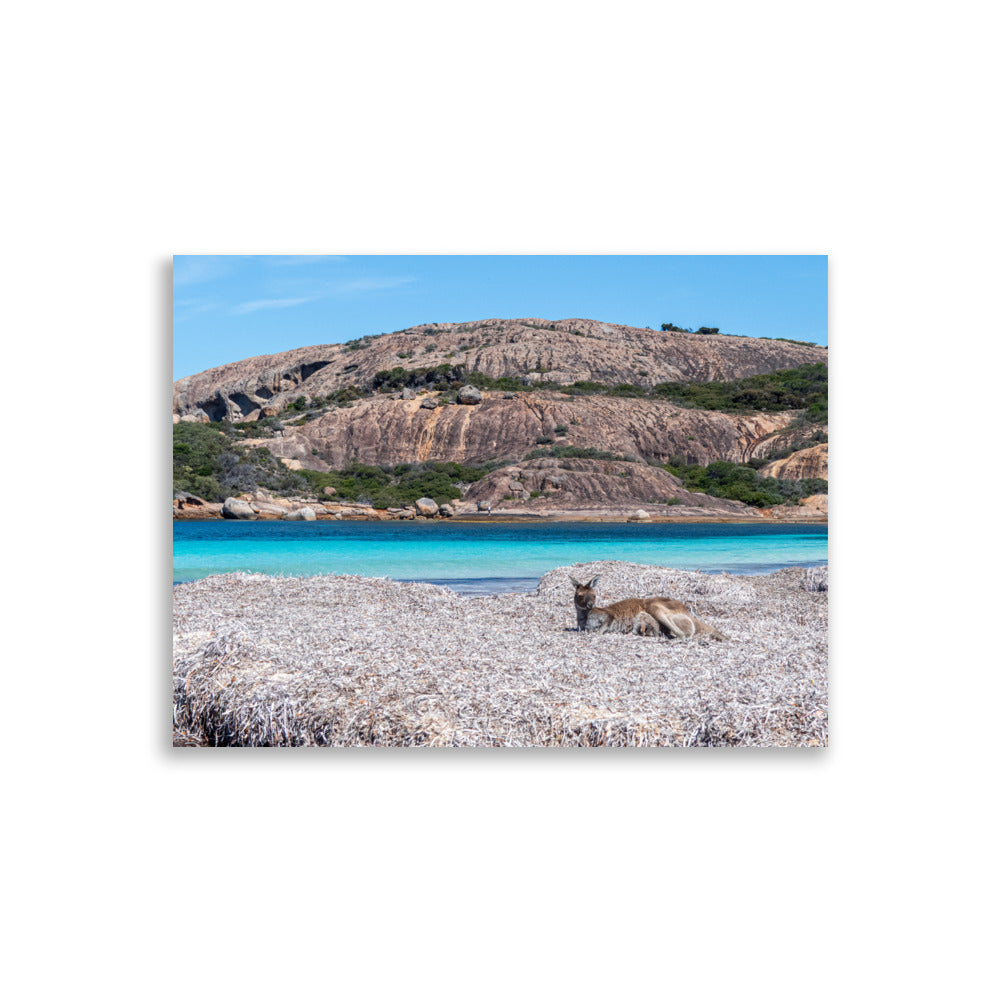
x,y
342,660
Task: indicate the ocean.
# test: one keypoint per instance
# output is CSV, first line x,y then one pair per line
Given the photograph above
x,y
483,557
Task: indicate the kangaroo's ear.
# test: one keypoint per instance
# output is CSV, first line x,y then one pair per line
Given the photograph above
x,y
593,582
575,582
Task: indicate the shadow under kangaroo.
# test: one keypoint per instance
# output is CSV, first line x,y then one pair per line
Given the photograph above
x,y
640,616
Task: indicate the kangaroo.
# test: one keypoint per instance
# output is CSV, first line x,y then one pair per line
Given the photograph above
x,y
623,616
672,618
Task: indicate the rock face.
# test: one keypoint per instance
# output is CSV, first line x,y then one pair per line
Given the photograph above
x,y
560,351
809,463
816,507
380,430
238,510
590,484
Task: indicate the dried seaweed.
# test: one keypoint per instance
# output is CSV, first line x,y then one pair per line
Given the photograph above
x,y
350,661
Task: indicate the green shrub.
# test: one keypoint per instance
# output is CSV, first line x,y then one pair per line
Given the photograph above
x,y
741,481
802,388
210,462
399,485
573,451
627,390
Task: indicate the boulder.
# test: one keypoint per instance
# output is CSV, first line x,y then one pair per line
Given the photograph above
x,y
447,510
183,498
640,515
407,393
426,507
469,395
270,509
429,403
330,491
302,514
238,510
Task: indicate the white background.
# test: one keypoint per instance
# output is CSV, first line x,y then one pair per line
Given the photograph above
x,y
858,130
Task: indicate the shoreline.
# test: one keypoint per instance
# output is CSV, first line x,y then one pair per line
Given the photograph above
x,y
568,518
463,586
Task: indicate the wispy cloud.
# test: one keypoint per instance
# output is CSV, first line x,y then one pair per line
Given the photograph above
x,y
184,309
191,270
258,304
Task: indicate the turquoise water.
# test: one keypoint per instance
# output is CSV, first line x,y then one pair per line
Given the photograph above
x,y
475,558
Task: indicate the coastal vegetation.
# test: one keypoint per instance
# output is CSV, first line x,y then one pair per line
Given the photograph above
x,y
210,462
399,485
573,451
742,482
803,388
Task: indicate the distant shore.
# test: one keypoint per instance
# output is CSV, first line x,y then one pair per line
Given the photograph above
x,y
512,517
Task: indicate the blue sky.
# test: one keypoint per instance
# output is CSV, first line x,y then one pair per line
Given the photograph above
x,y
227,308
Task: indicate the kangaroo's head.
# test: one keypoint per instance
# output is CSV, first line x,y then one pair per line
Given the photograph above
x,y
584,598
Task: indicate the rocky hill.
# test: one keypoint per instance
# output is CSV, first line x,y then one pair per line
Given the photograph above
x,y
322,431
563,352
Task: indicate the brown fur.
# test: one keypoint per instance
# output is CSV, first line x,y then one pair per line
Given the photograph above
x,y
622,616
672,618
